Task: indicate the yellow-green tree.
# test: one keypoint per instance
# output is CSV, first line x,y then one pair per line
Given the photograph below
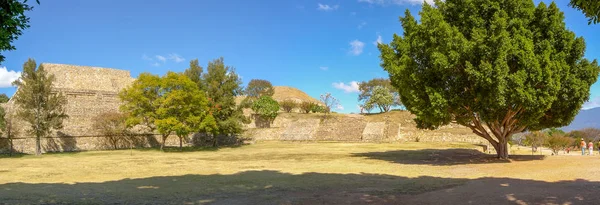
x,y
38,103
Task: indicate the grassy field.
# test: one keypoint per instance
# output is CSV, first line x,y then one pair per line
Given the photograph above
x,y
300,173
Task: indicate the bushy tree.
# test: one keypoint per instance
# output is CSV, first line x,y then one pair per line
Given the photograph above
x,y
502,64
140,101
3,98
194,73
112,126
12,21
591,9
266,107
257,88
38,103
222,85
288,105
316,108
558,141
173,104
367,92
183,108
381,98
306,106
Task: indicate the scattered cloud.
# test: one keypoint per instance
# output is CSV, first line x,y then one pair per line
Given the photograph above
x,y
7,77
396,2
352,87
356,47
362,24
155,64
326,7
161,58
592,103
175,57
378,41
146,58
339,107
324,68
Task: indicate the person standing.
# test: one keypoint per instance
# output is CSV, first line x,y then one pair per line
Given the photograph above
x,y
582,145
591,148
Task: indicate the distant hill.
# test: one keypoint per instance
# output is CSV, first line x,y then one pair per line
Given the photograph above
x,y
287,93
585,119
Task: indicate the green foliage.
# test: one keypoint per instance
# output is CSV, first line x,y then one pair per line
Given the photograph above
x,y
288,105
266,107
13,21
38,104
173,104
7,127
258,88
316,108
591,9
587,134
222,85
504,64
384,100
381,97
112,126
558,141
194,73
4,98
535,139
306,106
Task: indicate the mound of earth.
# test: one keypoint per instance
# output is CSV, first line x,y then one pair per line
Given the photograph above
x,y
287,93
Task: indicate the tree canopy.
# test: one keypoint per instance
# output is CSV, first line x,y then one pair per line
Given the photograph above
x,y
590,8
503,64
12,21
385,93
38,103
257,88
266,107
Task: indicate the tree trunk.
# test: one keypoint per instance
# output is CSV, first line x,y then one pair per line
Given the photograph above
x,y
180,143
10,142
162,145
38,146
502,151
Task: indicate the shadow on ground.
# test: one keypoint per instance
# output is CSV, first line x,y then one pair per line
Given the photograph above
x,y
442,157
273,187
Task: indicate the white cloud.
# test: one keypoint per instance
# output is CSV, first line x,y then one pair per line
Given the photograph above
x,y
592,103
362,24
378,41
352,87
396,2
7,77
175,57
161,58
324,68
155,64
325,7
146,58
356,47
339,107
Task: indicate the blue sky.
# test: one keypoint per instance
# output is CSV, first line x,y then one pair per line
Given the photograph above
x,y
316,46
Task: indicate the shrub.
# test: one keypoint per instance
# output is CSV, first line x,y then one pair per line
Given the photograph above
x,y
316,108
558,141
306,107
266,108
288,105
112,125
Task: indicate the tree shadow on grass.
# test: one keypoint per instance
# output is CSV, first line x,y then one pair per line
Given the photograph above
x,y
273,187
442,157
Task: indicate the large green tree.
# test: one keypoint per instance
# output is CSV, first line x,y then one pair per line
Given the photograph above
x,y
591,9
257,88
382,98
38,103
221,85
182,108
12,22
139,101
507,65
